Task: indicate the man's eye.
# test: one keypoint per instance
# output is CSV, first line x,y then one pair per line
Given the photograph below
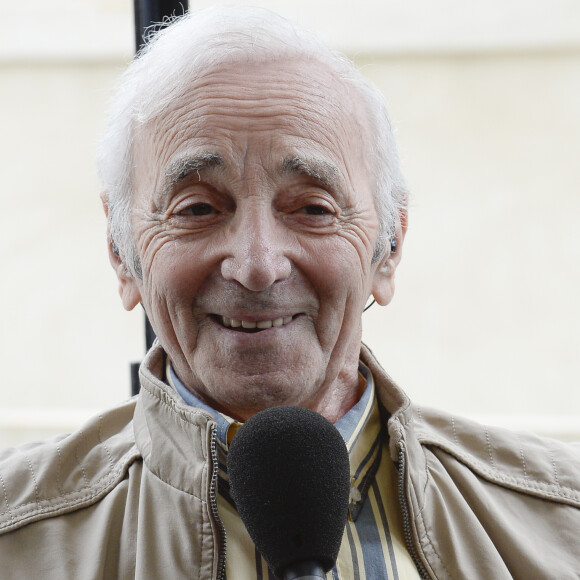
x,y
315,210
198,209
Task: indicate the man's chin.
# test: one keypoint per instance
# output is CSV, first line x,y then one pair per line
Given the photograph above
x,y
242,396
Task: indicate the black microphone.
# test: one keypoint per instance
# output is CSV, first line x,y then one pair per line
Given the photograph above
x,y
290,479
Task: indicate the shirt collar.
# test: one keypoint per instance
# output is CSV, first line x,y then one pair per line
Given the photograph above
x,y
222,420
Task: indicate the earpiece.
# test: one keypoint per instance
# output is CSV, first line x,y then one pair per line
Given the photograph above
x,y
393,245
115,249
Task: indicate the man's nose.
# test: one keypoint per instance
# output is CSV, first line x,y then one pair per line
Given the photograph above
x,y
257,252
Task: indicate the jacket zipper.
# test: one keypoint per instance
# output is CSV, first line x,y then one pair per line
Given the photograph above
x,y
406,516
221,570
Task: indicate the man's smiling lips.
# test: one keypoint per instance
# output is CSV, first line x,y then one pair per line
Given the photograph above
x,y
242,325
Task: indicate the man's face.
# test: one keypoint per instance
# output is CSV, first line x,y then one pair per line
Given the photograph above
x,y
254,218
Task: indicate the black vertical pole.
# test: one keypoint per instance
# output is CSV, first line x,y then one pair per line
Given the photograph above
x,y
148,12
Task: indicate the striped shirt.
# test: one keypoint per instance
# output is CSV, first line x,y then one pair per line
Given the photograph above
x,y
373,546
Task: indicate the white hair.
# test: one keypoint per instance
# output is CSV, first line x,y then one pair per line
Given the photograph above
x,y
198,42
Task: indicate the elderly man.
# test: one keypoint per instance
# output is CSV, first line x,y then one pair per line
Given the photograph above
x,y
255,205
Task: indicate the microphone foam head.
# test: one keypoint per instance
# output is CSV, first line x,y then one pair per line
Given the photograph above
x,y
290,478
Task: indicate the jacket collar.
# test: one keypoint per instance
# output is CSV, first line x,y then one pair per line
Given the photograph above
x,y
173,438
525,462
168,433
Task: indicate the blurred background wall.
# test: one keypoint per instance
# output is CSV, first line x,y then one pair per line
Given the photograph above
x,y
485,98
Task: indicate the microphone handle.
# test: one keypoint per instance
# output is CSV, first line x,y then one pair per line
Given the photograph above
x,y
304,571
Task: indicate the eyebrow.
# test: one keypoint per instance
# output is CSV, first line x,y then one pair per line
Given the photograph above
x,y
182,167
322,171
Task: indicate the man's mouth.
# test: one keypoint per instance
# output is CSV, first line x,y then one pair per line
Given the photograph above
x,y
251,325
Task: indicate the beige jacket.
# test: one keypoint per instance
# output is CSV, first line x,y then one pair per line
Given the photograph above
x,y
132,495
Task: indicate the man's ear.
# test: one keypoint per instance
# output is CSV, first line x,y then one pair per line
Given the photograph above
x,y
383,286
128,285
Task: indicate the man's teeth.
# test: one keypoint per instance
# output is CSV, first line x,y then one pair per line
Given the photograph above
x,y
235,323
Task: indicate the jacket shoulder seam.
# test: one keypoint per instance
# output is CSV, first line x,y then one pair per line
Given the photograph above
x,y
550,491
24,514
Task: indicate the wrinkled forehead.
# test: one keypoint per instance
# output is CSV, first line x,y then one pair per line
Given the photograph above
x,y
294,80
297,102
